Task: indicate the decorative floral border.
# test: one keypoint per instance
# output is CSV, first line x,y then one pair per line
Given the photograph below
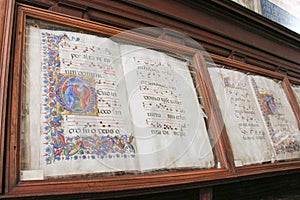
x,y
280,145
58,146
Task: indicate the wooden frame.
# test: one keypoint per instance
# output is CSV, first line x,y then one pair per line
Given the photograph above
x,y
271,167
16,188
293,101
130,184
6,13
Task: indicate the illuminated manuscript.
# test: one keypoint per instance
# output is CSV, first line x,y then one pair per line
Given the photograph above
x,y
259,120
98,106
278,117
247,133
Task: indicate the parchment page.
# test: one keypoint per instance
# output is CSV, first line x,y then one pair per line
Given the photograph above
x,y
278,116
168,122
31,115
244,124
84,121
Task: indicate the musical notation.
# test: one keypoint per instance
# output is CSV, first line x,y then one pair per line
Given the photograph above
x,y
162,101
160,124
247,117
96,122
72,46
81,63
146,61
158,91
108,102
162,107
84,59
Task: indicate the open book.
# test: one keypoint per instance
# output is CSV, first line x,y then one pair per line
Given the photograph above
x,y
259,120
98,106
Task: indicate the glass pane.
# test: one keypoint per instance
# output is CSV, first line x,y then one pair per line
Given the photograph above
x,y
92,105
259,120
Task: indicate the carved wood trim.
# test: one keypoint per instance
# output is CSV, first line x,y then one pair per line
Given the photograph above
x,y
6,15
221,27
216,125
292,99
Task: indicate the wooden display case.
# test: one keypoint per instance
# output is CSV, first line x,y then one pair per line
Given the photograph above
x,y
222,50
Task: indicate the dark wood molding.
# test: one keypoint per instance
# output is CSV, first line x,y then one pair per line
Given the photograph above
x,y
215,123
221,27
6,16
45,4
247,33
206,194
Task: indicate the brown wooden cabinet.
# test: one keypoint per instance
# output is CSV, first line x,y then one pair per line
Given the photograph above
x,y
232,35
